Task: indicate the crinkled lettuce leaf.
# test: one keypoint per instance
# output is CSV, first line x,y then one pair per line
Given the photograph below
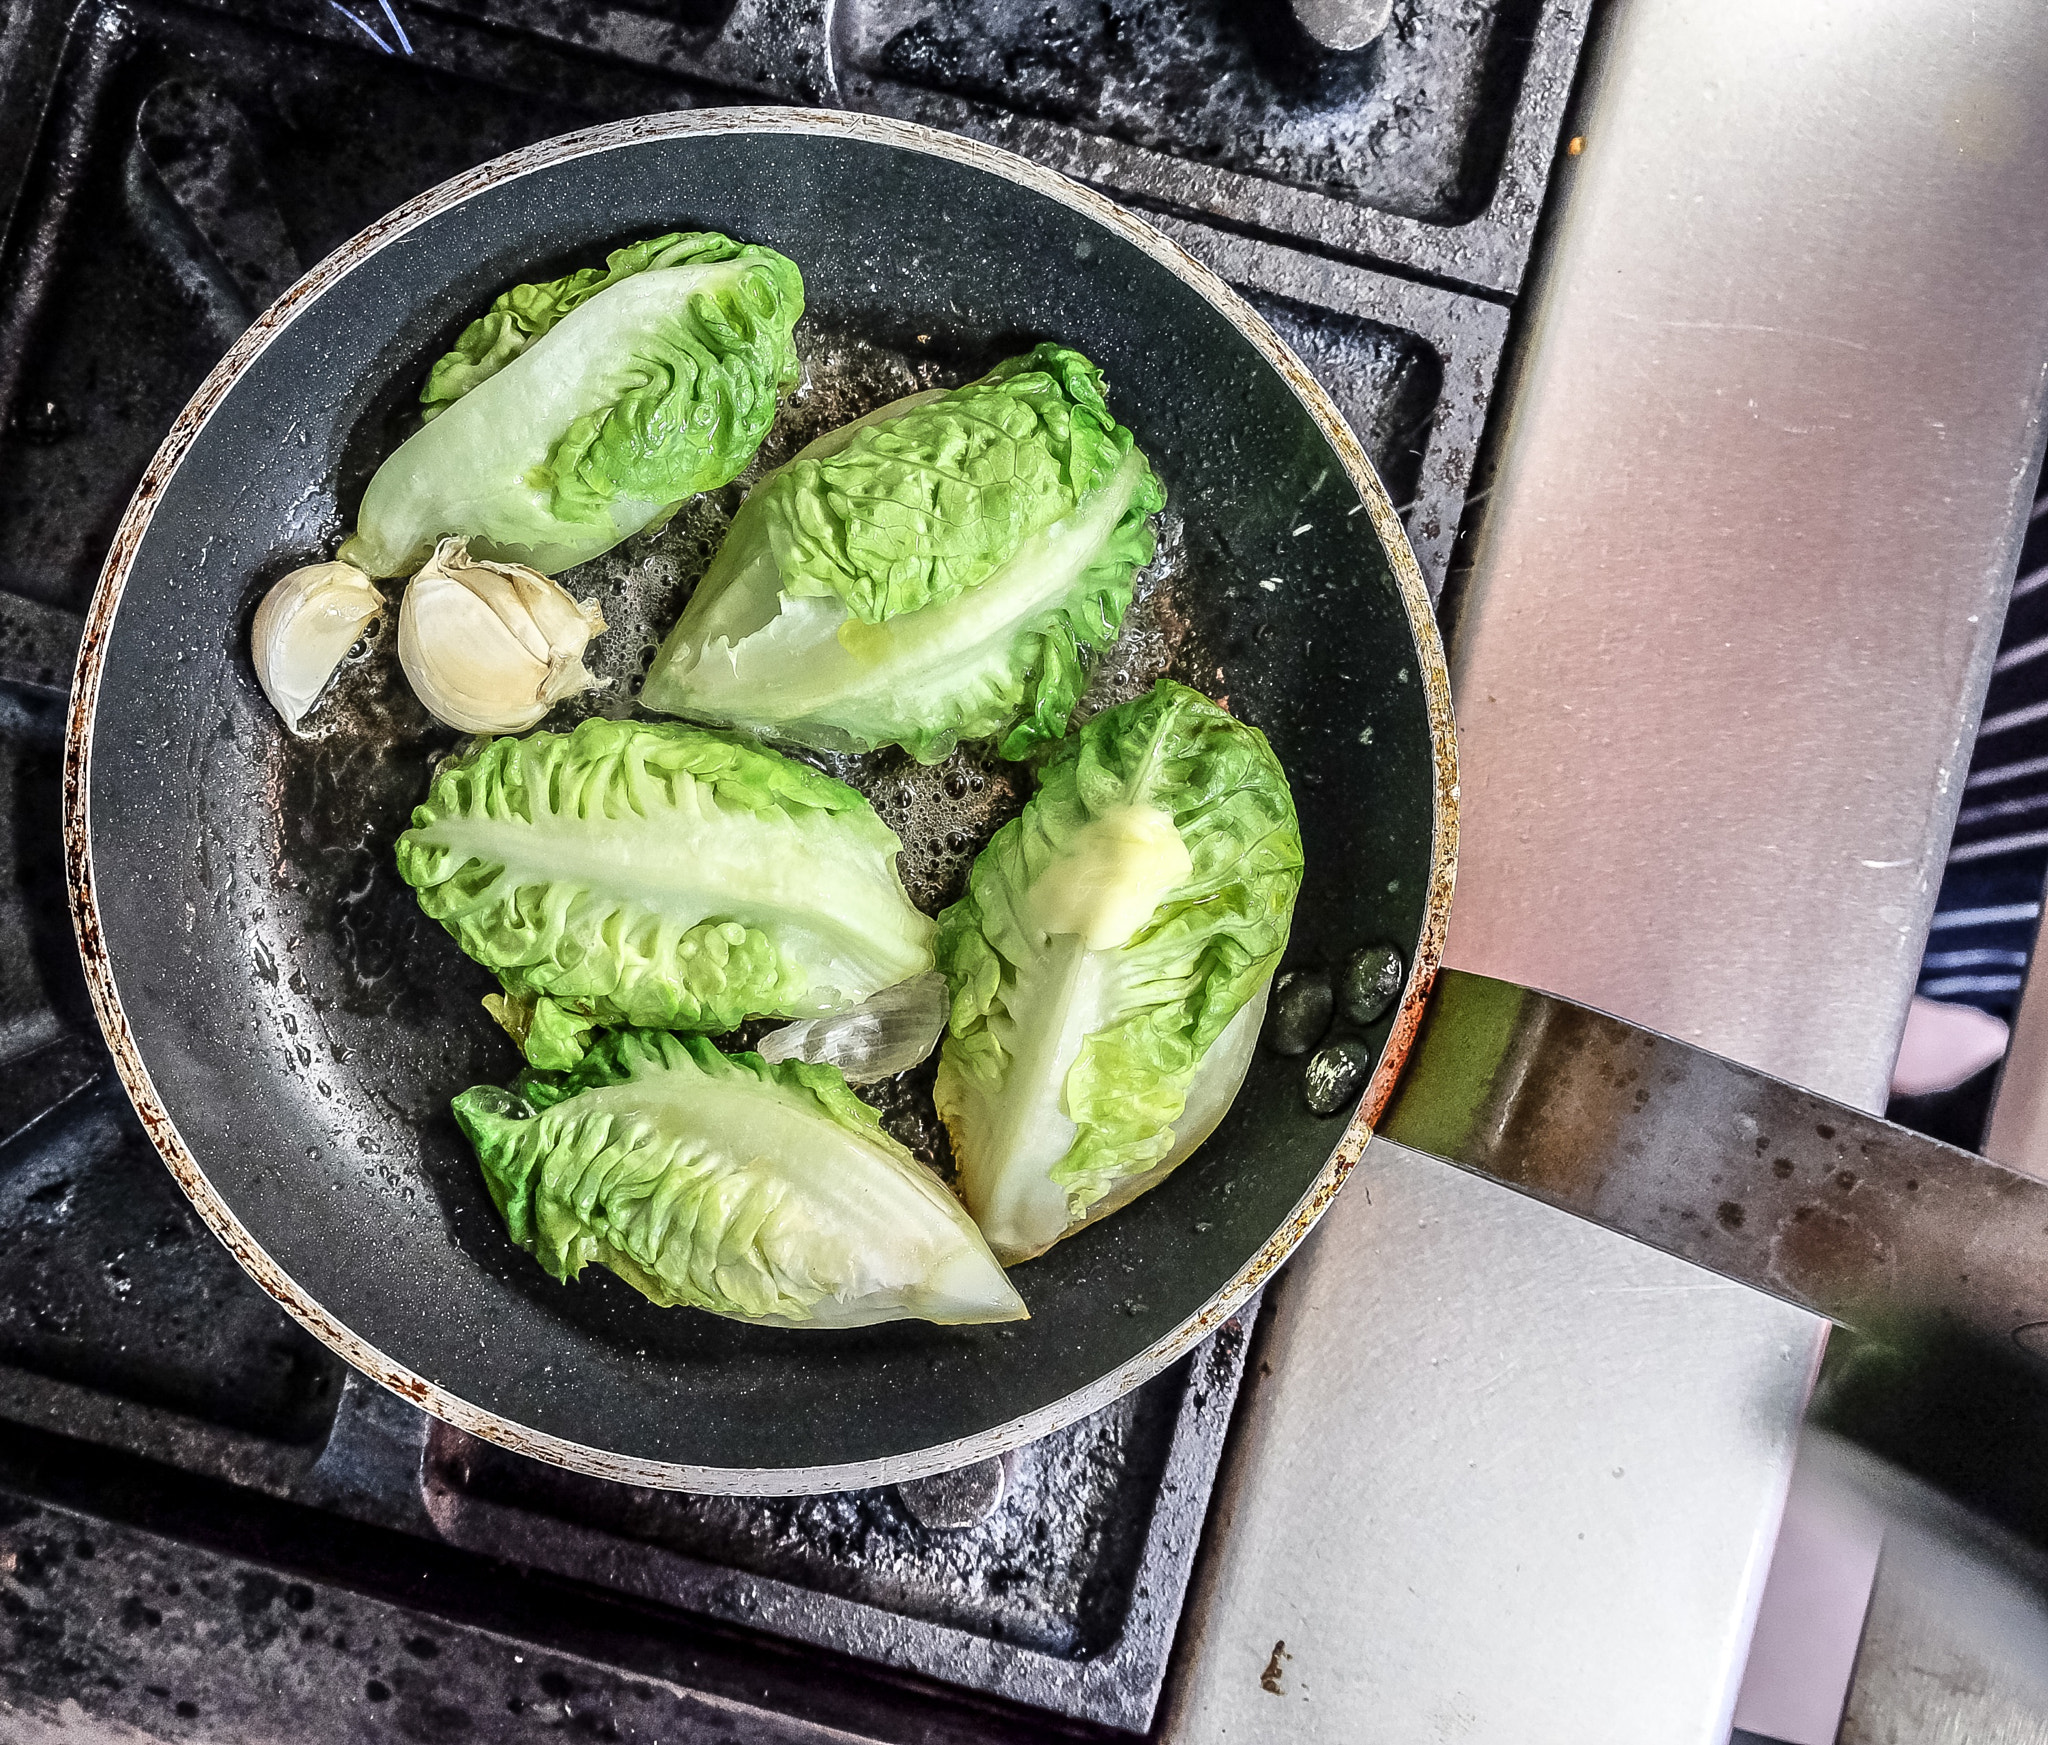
x,y
1103,962
937,571
763,1193
578,412
522,314
639,873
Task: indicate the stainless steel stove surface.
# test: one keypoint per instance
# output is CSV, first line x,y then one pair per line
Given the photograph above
x,y
208,1528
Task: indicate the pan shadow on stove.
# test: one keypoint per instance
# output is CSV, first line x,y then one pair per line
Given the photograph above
x,y
1049,1567
120,1314
1385,382
49,1044
1054,1577
116,1285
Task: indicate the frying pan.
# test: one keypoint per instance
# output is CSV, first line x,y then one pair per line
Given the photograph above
x,y
291,1030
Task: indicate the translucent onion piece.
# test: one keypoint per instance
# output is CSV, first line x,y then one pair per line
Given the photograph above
x,y
887,1033
306,623
492,647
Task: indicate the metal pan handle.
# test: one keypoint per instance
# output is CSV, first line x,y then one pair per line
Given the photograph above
x,y
1752,1178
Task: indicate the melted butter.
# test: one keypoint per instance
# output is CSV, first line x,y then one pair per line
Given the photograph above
x,y
1104,885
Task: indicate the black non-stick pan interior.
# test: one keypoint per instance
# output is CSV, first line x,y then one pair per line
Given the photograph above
x,y
304,1028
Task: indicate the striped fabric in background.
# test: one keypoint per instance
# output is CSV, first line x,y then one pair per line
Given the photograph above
x,y
1990,905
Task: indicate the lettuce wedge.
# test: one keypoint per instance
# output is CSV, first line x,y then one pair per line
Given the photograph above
x,y
652,874
933,572
578,412
1109,964
763,1193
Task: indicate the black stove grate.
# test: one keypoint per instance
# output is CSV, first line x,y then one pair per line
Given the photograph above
x,y
1414,123
177,1457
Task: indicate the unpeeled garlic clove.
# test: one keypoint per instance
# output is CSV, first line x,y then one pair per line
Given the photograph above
x,y
491,647
306,623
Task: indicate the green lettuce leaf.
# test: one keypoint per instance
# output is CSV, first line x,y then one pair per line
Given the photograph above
x,y
764,1193
937,571
632,873
578,412
1108,962
522,314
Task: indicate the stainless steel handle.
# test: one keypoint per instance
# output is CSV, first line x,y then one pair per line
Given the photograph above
x,y
1820,1204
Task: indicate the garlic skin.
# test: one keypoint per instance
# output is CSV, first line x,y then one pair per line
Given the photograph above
x,y
887,1033
307,622
492,647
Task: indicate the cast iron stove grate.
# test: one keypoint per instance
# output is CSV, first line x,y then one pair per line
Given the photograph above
x,y
172,168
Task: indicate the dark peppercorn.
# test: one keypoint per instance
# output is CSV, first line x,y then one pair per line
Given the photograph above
x,y
1302,1004
1336,1075
1371,982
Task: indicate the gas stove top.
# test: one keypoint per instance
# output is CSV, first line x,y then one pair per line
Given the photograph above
x,y
208,1527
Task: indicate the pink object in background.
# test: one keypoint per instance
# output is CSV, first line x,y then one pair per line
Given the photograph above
x,y
1803,1651
1811,1618
1944,1045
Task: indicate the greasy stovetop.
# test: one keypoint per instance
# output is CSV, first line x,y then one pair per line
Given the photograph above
x,y
177,1459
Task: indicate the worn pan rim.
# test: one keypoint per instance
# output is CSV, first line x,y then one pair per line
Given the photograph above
x,y
494,1426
